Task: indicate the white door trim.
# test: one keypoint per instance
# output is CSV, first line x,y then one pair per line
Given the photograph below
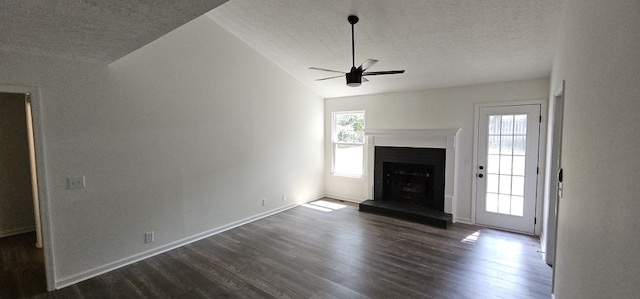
x,y
542,145
548,235
549,239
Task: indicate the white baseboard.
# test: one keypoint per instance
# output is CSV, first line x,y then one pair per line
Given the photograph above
x,y
317,197
464,220
17,231
345,198
73,279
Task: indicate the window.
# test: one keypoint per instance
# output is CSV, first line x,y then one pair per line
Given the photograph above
x,y
348,143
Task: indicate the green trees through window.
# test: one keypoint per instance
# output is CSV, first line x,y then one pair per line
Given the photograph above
x,y
350,127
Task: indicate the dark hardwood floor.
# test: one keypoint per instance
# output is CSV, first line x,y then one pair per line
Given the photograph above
x,y
21,267
308,253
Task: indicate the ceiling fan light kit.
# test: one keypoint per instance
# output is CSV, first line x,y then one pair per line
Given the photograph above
x,y
355,76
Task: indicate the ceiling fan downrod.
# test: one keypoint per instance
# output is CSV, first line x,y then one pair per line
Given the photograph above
x,y
353,20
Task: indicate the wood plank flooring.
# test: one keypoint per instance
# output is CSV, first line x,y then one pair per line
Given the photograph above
x,y
21,267
307,252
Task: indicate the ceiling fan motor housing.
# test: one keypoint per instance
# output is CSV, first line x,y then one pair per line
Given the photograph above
x,y
354,78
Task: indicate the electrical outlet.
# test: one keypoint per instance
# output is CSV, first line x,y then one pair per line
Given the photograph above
x,y
149,237
264,202
76,182
284,197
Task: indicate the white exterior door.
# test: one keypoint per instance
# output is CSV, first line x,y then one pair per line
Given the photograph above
x,y
507,161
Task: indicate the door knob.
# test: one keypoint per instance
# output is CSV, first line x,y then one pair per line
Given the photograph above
x,y
480,175
481,167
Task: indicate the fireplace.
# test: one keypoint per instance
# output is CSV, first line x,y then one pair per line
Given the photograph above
x,y
414,175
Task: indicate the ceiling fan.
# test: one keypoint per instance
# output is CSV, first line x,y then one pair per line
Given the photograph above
x,y
356,76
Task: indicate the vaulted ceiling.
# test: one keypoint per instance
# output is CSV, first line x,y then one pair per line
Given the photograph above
x,y
92,30
440,43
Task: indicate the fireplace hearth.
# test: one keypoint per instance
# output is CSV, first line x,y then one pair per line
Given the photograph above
x,y
409,183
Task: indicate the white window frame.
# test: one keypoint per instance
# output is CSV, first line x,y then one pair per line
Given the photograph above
x,y
334,143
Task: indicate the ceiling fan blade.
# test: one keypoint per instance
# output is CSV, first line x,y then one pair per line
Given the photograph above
x,y
382,73
364,79
367,64
322,79
326,70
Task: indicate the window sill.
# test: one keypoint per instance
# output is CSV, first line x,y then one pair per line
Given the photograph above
x,y
349,176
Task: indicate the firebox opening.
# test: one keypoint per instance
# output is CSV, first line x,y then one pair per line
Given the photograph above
x,y
408,183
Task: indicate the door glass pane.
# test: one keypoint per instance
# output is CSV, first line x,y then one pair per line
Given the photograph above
x,y
518,165
506,145
517,185
517,206
504,204
494,124
492,203
505,184
493,164
494,145
507,125
506,164
492,183
519,145
520,126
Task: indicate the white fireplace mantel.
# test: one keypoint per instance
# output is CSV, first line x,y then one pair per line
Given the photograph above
x,y
419,138
413,132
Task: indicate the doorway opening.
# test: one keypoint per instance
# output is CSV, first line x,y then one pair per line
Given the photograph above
x,y
21,190
19,213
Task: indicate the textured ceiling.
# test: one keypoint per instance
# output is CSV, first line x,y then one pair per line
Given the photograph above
x,y
92,30
440,43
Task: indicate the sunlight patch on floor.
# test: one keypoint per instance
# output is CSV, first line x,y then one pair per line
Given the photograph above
x,y
472,238
325,206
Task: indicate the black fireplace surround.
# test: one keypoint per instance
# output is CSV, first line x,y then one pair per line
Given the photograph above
x,y
409,184
410,175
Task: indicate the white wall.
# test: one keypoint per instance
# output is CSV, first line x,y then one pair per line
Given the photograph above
x,y
598,224
16,202
186,135
427,109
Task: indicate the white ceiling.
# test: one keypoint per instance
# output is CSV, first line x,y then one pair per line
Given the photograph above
x,y
440,43
92,30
